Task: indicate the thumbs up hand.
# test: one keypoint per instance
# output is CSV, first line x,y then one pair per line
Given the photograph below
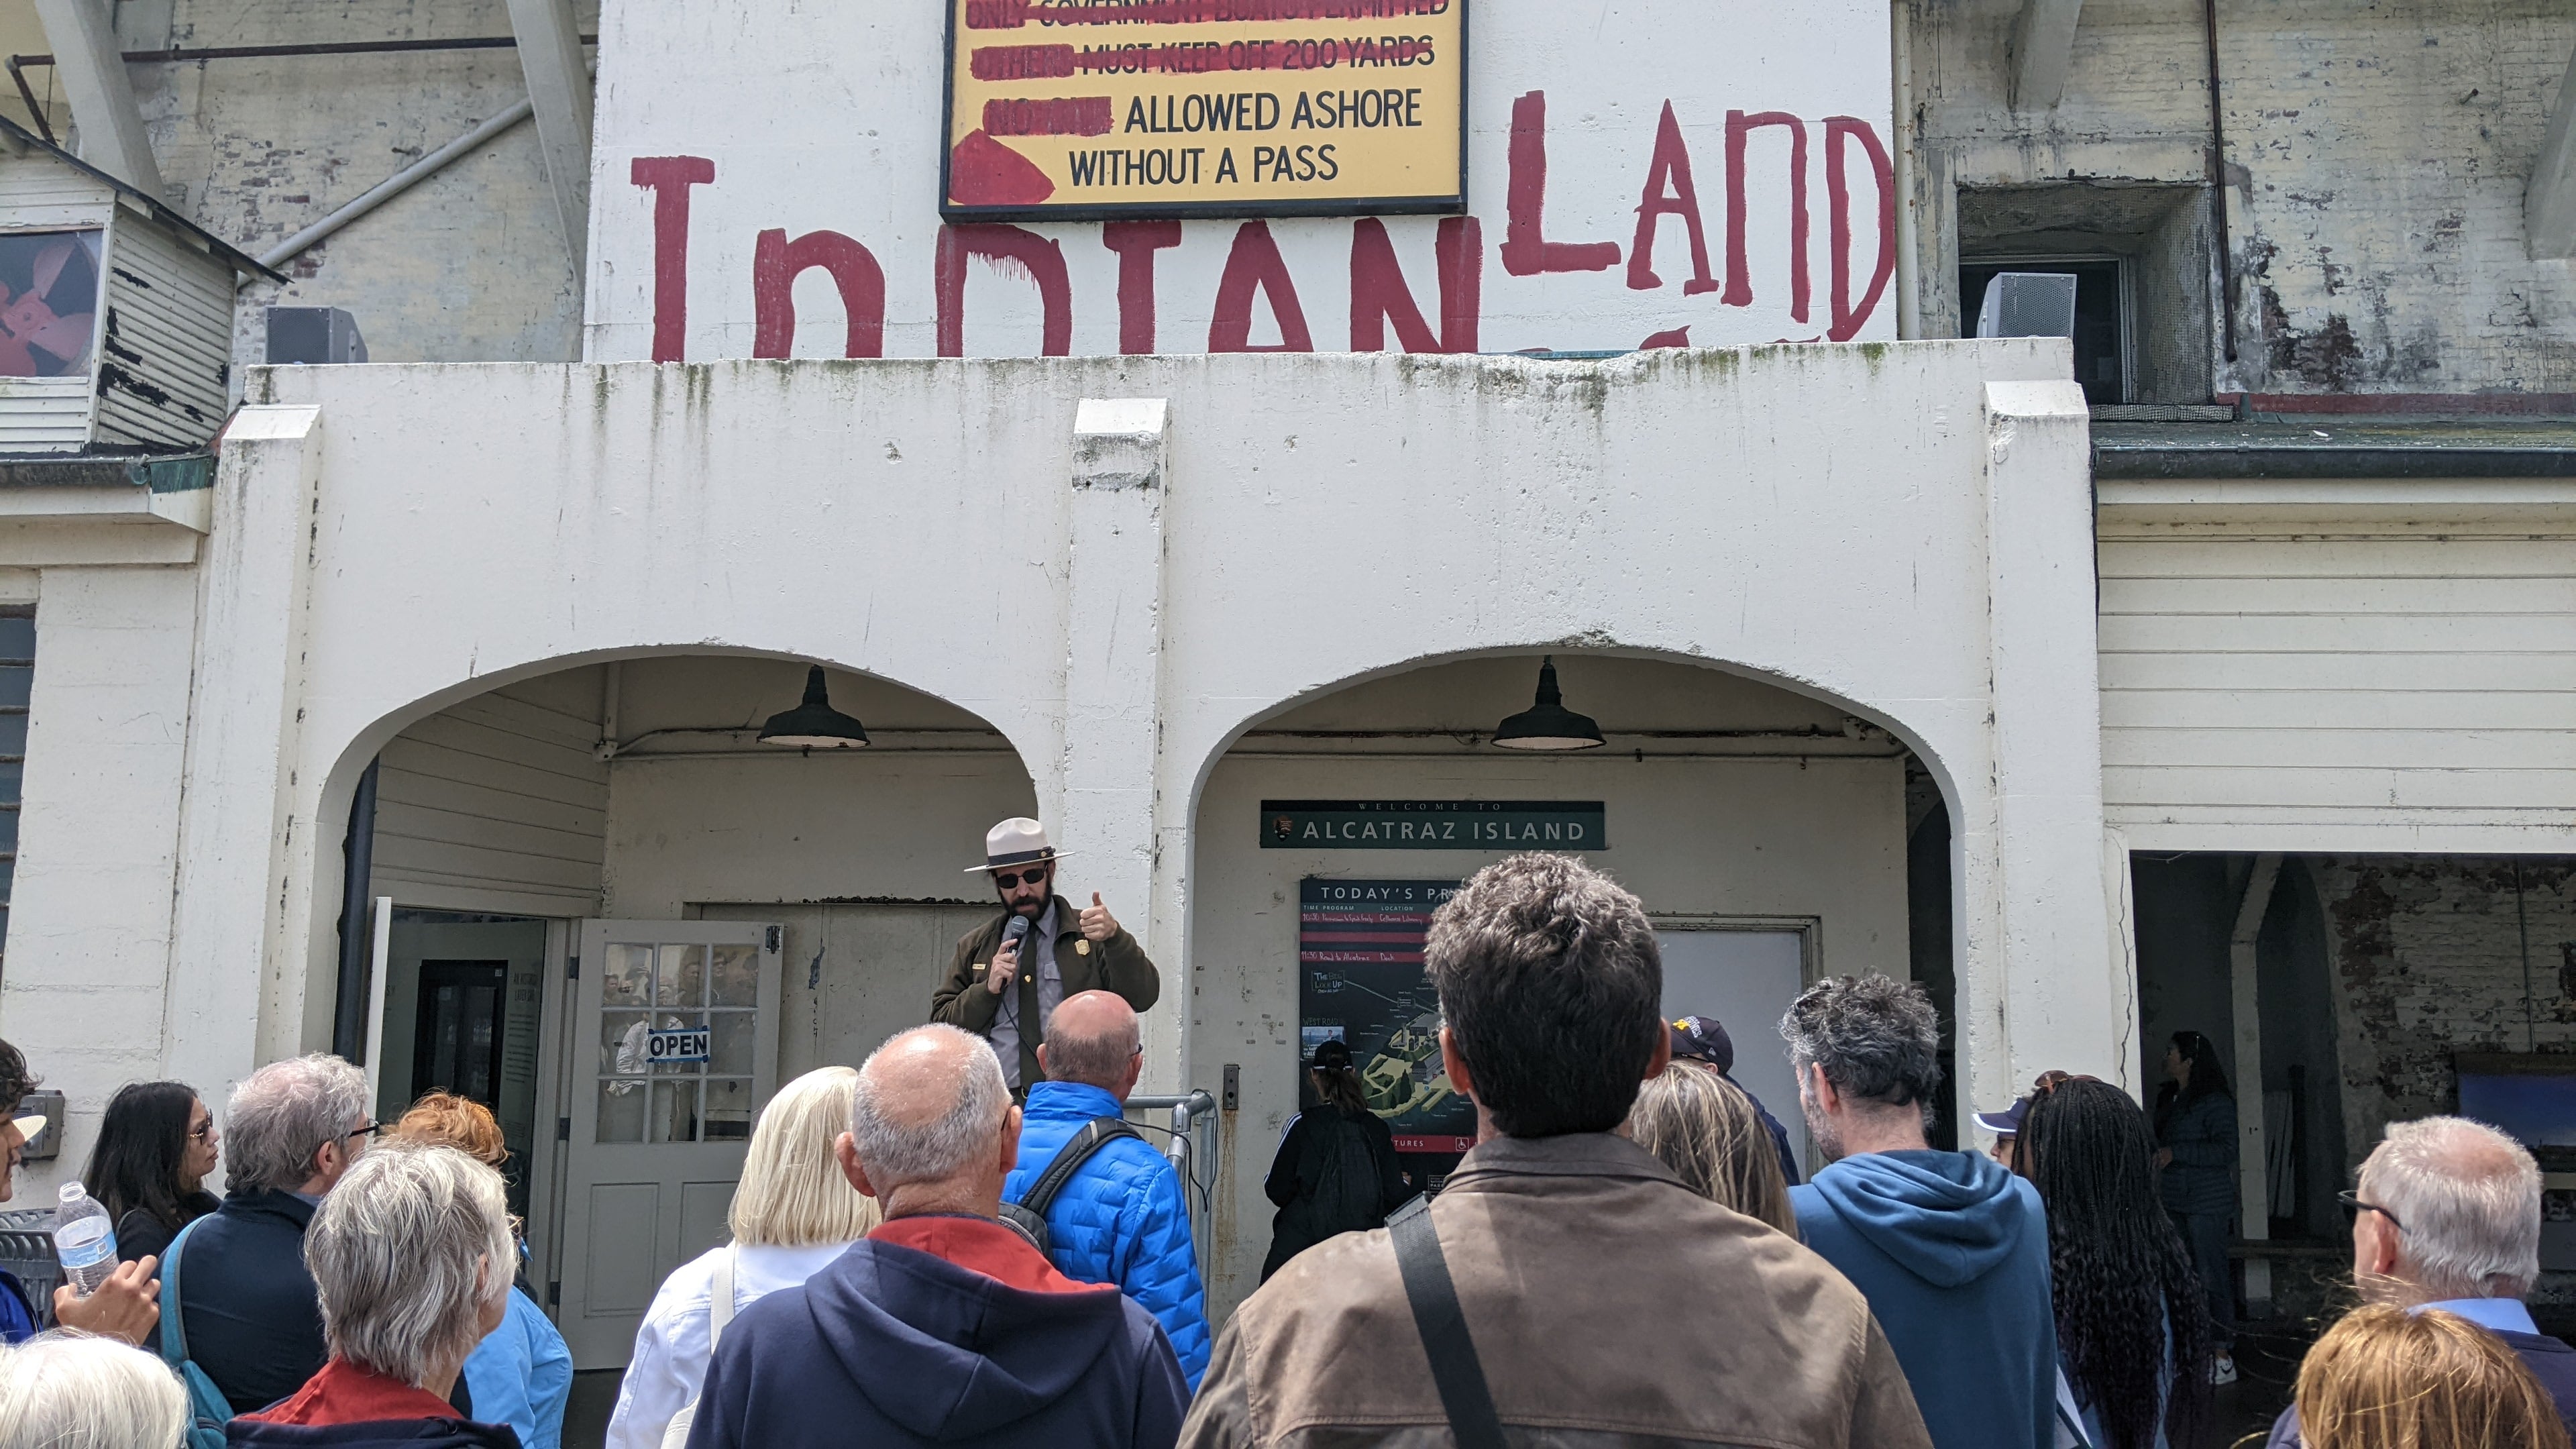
x,y
1097,924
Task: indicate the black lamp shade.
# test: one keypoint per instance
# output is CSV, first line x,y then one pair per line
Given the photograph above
x,y
814,724
1548,724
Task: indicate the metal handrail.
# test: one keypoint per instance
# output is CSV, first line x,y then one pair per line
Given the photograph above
x,y
1190,1111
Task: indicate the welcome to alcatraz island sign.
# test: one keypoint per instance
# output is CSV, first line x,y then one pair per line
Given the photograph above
x,y
1434,825
1100,109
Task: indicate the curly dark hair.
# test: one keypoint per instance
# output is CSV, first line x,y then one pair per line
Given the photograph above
x,y
2119,1271
15,1080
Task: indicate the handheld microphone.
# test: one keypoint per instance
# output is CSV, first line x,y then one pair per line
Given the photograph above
x,y
1016,931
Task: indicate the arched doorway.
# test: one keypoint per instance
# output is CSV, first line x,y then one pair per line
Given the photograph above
x,y
1764,830
597,901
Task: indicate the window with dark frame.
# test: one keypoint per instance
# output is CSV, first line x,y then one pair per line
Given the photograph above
x,y
2101,316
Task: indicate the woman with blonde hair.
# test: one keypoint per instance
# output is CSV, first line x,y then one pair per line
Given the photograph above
x,y
793,1212
2385,1378
1707,1130
521,1373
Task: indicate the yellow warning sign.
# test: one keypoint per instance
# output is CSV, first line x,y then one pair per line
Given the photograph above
x,y
1074,110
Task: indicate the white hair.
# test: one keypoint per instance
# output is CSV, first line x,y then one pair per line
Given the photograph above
x,y
2468,1199
895,1153
407,1252
280,1119
66,1390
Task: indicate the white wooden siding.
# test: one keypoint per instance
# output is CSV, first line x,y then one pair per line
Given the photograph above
x,y
495,804
38,193
2411,693
44,414
168,340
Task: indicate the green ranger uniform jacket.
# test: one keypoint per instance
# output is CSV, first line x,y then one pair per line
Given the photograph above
x,y
1117,964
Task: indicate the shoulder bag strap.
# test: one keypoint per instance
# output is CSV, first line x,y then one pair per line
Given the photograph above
x,y
1097,1133
1436,1315
174,1334
720,1299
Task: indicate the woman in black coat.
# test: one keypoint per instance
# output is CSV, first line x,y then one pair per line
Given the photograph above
x,y
1336,1171
156,1148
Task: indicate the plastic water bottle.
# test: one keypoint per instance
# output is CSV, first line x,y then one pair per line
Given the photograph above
x,y
84,1239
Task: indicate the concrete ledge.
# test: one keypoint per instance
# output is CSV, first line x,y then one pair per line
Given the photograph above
x,y
2333,450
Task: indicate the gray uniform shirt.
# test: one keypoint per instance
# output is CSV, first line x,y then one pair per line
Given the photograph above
x,y
1005,1035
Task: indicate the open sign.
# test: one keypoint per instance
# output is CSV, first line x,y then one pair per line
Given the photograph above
x,y
674,1048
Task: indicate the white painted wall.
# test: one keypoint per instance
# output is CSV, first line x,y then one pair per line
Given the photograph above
x,y
89,950
495,804
829,118
1928,574
2400,692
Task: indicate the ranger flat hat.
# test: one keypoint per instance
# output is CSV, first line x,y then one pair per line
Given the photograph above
x,y
1016,841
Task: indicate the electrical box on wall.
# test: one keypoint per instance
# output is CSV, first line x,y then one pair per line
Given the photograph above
x,y
313,335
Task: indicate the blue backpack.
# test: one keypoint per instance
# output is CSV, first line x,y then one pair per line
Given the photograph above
x,y
208,1413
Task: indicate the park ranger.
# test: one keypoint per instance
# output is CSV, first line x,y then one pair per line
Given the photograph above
x,y
1003,984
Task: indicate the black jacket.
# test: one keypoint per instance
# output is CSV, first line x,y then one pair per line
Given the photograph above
x,y
1311,1140
254,1324
139,1233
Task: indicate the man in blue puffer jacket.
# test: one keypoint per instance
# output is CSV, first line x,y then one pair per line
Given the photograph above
x,y
1123,1218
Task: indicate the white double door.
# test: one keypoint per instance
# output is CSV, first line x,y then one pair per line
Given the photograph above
x,y
674,1038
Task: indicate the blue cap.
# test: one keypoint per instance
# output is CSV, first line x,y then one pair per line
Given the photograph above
x,y
2006,1123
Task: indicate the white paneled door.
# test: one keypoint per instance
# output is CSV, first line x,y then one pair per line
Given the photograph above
x,y
674,1050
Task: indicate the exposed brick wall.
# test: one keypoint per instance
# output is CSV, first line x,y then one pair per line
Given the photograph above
x,y
2427,960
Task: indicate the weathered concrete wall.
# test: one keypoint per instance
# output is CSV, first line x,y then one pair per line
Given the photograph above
x,y
468,266
2376,156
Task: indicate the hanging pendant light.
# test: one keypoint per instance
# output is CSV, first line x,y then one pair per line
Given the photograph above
x,y
1547,724
814,724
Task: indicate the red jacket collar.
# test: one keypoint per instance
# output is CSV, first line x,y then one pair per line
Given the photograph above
x,y
343,1393
984,1246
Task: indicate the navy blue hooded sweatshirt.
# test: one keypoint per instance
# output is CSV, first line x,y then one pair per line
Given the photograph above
x,y
947,1331
1952,1252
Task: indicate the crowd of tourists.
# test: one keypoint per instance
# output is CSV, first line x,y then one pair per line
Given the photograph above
x,y
921,1255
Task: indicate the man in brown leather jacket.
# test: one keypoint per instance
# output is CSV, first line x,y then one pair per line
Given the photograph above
x,y
1005,992
1608,1304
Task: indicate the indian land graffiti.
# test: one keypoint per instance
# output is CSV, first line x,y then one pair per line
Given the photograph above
x,y
1693,174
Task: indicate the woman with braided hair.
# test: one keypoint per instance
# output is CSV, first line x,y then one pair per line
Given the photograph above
x,y
2132,1334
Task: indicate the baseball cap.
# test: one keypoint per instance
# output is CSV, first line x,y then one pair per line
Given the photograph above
x,y
2006,1123
1702,1039
1330,1056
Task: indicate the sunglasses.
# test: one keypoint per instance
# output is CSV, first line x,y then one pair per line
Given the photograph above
x,y
1036,875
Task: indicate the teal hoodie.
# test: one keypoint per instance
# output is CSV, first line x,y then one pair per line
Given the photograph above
x,y
1952,1252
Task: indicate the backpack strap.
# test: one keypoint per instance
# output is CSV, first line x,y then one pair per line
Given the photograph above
x,y
1455,1369
1078,1149
720,1298
174,1334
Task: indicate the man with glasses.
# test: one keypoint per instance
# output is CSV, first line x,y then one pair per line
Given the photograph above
x,y
254,1322
1005,986
1122,1216
2448,1216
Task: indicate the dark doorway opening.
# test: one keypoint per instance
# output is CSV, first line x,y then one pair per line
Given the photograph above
x,y
456,1038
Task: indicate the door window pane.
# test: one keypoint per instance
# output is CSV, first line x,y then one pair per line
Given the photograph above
x,y
621,1112
731,1055
728,1109
675,1111
682,980
621,1043
672,1021
737,976
627,977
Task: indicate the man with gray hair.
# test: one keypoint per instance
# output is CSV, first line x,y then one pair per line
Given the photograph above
x,y
1950,1249
254,1325
1114,1209
2447,1216
942,1326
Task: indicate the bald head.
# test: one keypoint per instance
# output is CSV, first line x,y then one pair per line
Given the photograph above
x,y
931,1107
1092,1039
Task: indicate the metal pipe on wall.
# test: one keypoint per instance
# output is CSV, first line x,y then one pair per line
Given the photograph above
x,y
2225,248
398,183
358,854
1909,294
